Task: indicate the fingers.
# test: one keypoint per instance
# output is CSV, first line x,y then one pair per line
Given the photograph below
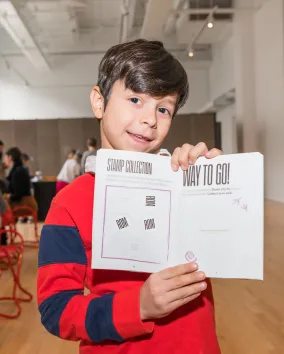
x,y
176,271
181,157
199,150
185,280
186,292
174,159
213,153
187,155
178,303
165,291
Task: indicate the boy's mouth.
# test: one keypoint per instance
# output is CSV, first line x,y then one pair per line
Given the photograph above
x,y
141,138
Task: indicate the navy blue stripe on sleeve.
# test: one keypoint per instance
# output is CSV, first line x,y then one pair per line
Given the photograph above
x,y
61,244
99,325
51,309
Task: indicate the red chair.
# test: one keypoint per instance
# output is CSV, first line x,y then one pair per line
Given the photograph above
x,y
11,257
25,212
8,219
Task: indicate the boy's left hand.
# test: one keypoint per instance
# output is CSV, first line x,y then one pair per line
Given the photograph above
x,y
188,154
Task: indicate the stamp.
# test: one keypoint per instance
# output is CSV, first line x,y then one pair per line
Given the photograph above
x,y
190,257
122,223
149,224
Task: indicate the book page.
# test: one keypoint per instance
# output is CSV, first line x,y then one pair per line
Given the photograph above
x,y
220,216
147,217
133,211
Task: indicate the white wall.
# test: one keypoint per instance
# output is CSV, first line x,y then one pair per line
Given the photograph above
x,y
64,92
221,80
268,33
19,102
228,129
198,90
61,93
269,85
221,73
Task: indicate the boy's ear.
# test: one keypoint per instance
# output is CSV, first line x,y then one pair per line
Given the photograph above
x,y
97,102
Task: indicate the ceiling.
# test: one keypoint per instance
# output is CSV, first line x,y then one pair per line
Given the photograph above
x,y
39,29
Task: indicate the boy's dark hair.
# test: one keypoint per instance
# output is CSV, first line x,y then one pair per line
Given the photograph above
x,y
145,67
15,153
1,143
92,142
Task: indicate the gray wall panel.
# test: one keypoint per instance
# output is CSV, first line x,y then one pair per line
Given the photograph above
x,y
70,136
26,139
48,157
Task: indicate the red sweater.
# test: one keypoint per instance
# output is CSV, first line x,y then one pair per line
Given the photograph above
x,y
107,320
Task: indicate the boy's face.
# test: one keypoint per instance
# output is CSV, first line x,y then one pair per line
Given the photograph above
x,y
132,121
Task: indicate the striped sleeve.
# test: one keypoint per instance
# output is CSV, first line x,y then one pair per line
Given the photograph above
x,y
65,311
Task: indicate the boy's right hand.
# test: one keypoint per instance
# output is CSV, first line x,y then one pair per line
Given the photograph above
x,y
165,291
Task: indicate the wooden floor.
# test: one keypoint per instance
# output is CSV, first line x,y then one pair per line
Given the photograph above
x,y
250,314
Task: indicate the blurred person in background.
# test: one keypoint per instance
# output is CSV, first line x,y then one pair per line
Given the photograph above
x,y
71,154
26,160
2,165
19,185
69,171
92,151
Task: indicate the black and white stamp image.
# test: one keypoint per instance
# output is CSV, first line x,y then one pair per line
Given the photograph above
x,y
122,223
149,224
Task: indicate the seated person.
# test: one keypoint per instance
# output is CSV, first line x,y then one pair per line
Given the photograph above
x,y
19,186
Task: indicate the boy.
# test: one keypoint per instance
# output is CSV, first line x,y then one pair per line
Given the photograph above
x,y
140,88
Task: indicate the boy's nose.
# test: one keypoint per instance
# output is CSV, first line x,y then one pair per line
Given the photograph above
x,y
150,119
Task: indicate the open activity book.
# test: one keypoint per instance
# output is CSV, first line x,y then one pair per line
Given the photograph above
x,y
148,217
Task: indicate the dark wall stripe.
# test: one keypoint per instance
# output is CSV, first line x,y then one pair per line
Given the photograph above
x,y
99,324
51,309
61,244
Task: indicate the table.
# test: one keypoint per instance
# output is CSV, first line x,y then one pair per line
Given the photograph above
x,y
44,192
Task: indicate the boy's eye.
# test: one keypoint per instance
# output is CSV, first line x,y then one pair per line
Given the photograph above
x,y
164,111
135,100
